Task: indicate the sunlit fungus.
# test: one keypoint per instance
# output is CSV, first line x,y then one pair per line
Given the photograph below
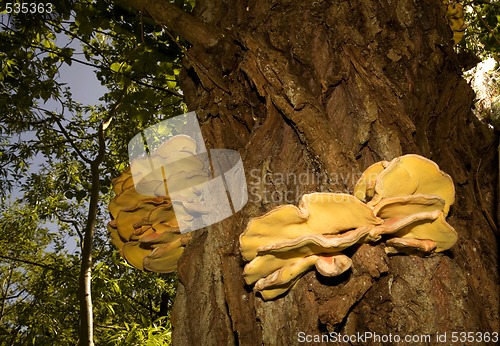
x,y
403,202
145,227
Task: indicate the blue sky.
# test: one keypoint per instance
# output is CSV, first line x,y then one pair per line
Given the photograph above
x,y
81,78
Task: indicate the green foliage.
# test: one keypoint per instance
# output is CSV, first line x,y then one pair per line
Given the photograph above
x,y
483,28
47,141
133,334
36,287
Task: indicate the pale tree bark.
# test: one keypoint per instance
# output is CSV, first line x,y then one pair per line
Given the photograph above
x,y
85,278
324,89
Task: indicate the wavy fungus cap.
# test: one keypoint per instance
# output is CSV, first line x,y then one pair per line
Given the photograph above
x,y
145,227
411,175
405,200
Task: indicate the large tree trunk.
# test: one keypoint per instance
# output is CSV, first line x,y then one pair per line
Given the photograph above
x,y
323,89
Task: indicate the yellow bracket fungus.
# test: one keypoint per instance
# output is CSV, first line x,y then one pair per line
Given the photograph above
x,y
145,227
365,188
455,17
318,213
406,200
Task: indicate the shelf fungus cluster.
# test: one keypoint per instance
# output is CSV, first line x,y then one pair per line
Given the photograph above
x,y
455,15
406,201
144,225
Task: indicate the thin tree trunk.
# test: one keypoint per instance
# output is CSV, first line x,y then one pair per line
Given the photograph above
x,y
85,278
319,90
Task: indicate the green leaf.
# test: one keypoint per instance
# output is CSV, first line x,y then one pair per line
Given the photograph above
x,y
115,67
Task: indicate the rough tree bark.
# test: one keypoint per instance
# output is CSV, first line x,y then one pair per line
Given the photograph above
x,y
326,88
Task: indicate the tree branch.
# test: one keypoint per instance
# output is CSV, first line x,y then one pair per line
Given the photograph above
x,y
73,223
4,294
25,261
7,298
181,23
107,68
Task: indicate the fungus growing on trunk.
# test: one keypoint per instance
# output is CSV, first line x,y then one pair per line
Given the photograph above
x,y
407,201
318,213
333,265
442,235
414,175
145,227
284,243
365,188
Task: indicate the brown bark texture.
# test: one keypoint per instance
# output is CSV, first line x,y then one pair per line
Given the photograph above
x,y
320,90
